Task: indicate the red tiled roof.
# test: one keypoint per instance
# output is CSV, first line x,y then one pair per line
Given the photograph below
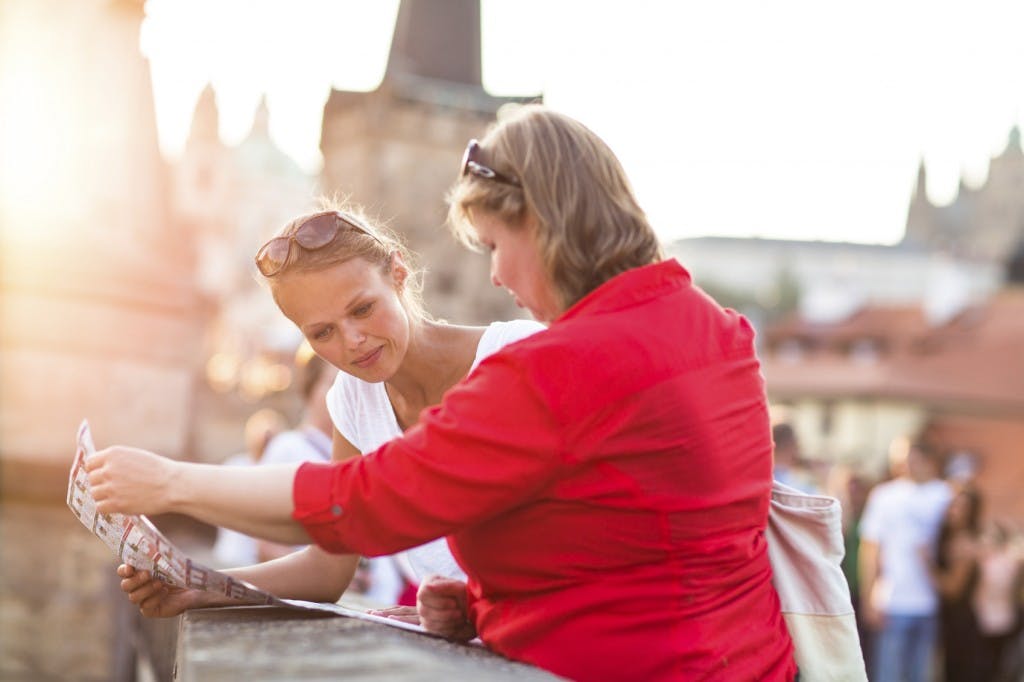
x,y
975,361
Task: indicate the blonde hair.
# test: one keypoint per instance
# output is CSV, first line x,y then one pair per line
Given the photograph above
x,y
590,227
372,242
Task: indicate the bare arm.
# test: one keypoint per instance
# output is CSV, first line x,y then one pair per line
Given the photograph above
x,y
252,500
310,573
341,449
867,566
256,501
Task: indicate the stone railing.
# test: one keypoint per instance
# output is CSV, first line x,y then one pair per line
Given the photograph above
x,y
268,643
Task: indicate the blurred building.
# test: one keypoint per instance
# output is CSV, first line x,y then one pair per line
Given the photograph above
x,y
958,249
830,280
98,314
851,385
98,294
986,222
396,150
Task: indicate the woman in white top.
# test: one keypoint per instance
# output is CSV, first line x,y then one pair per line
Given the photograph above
x,y
354,293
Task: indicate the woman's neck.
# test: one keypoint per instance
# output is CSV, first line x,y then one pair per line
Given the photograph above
x,y
439,356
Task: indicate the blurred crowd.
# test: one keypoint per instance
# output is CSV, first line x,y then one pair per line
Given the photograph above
x,y
937,582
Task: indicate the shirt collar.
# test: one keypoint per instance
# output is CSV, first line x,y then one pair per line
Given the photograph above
x,y
630,288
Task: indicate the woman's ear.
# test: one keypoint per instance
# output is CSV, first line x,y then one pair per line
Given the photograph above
x,y
399,270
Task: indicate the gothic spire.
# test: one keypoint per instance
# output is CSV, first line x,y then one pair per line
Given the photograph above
x,y
206,119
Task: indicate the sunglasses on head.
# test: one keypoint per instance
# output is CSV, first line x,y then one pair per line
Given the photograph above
x,y
315,233
471,164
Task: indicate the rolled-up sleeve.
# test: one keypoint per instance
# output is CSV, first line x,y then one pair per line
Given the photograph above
x,y
491,445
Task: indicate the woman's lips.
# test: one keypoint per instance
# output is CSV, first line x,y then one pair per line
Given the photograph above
x,y
369,358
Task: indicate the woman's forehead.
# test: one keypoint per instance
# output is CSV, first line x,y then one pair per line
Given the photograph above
x,y
339,281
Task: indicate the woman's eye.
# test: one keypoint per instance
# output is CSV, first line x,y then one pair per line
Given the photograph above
x,y
363,310
321,334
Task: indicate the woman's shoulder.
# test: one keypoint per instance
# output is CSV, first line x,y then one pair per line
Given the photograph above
x,y
500,334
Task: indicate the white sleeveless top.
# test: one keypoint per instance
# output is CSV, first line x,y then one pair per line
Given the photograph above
x,y
363,414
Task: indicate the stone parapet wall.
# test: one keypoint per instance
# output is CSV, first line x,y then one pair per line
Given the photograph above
x,y
266,643
60,618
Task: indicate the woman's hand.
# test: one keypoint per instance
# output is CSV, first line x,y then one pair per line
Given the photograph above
x,y
441,604
406,614
156,599
130,481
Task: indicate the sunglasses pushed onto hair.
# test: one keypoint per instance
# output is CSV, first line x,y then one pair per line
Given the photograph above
x,y
472,164
315,233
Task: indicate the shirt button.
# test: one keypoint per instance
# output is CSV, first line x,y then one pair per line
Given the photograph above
x,y
335,510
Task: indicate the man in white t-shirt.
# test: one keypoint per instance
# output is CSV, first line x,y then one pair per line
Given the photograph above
x,y
898,531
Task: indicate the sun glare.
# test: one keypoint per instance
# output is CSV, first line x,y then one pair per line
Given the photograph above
x,y
40,174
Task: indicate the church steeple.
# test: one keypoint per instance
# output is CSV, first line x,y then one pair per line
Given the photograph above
x,y
437,40
206,119
261,120
922,181
1013,142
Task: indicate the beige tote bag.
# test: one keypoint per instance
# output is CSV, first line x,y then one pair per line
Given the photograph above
x,y
805,546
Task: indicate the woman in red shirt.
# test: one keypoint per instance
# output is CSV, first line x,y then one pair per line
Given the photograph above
x,y
604,484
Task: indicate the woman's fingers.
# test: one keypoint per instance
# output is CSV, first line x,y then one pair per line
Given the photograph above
x,y
441,604
128,480
392,610
150,607
136,581
141,594
414,619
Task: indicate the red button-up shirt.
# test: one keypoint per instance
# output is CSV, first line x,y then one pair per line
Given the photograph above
x,y
604,484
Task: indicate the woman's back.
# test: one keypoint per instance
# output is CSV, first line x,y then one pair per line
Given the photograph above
x,y
645,547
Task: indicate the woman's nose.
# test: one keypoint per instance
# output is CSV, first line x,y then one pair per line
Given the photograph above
x,y
354,336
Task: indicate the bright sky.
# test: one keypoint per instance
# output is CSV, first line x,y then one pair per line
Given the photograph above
x,y
801,119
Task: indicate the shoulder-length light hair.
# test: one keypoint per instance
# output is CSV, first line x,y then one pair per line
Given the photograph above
x,y
590,226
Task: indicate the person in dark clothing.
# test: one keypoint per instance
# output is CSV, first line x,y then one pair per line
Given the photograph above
x,y
956,577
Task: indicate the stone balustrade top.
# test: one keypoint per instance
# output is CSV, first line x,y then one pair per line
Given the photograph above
x,y
269,643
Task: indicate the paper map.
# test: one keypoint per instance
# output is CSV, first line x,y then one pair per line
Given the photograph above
x,y
138,543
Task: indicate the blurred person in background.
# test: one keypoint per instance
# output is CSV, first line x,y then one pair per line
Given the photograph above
x,y
851,489
962,469
232,548
955,575
789,468
996,600
898,530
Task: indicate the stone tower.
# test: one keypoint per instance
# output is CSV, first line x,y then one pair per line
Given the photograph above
x,y
97,294
97,316
395,150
